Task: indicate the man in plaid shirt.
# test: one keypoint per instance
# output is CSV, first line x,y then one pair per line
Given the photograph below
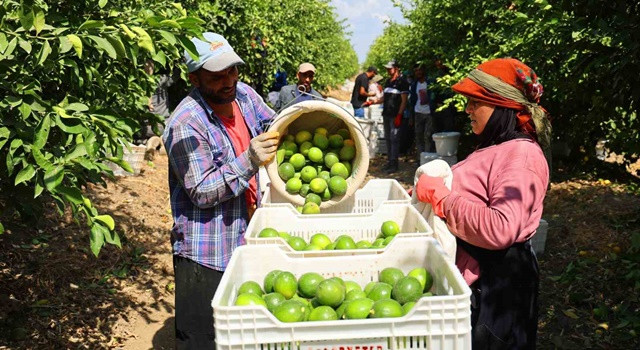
x,y
215,141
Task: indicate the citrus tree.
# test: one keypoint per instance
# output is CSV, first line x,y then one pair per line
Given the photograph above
x,y
273,35
584,52
73,94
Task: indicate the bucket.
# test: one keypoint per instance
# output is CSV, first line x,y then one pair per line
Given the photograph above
x,y
426,157
446,143
308,115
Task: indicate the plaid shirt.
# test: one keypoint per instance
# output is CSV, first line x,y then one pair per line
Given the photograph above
x,y
207,181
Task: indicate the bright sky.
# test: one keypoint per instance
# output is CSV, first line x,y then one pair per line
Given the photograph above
x,y
365,20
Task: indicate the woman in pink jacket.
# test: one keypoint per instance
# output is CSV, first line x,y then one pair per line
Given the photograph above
x,y
495,203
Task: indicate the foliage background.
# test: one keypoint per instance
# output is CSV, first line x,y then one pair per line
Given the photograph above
x,y
585,52
74,91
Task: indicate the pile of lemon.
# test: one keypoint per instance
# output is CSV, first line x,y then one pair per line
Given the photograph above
x,y
316,165
311,297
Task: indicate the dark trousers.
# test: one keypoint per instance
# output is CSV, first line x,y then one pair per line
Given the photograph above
x,y
195,286
392,138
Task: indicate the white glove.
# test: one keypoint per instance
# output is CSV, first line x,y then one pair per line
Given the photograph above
x,y
263,147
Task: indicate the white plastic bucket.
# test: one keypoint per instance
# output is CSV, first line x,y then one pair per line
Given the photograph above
x,y
308,115
446,143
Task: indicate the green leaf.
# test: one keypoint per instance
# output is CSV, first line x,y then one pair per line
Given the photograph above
x,y
160,58
44,52
4,136
70,125
78,151
25,45
25,110
170,23
117,45
71,194
65,44
38,189
3,42
144,40
102,3
53,177
77,107
188,45
10,47
131,35
169,37
26,17
97,238
77,44
122,163
13,101
107,220
42,133
39,20
40,159
25,174
91,24
1,228
61,112
104,45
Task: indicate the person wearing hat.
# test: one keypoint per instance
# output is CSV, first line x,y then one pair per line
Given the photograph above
x,y
396,92
361,91
301,91
215,142
376,89
496,201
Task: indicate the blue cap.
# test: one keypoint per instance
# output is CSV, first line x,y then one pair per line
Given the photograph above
x,y
215,54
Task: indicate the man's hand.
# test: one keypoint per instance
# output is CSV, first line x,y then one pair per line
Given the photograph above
x,y
263,147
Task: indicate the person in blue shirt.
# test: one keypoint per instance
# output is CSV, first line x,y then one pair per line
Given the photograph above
x,y
301,91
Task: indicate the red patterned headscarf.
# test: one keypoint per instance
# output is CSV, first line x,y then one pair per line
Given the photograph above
x,y
509,83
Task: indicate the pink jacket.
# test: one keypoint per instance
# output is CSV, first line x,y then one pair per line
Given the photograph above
x,y
496,198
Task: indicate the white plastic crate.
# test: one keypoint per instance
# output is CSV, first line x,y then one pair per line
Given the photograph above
x,y
365,200
358,226
439,322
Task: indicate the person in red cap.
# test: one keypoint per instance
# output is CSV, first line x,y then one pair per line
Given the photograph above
x,y
495,202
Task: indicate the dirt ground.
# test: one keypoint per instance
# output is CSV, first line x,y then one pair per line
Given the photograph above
x,y
56,294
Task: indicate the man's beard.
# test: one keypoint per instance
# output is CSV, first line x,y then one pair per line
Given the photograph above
x,y
210,96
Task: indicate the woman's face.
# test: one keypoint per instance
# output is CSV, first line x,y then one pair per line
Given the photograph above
x,y
479,112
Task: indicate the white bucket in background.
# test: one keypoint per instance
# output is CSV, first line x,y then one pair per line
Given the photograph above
x,y
540,237
446,143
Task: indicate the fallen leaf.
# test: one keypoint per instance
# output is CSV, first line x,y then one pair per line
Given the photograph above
x,y
570,313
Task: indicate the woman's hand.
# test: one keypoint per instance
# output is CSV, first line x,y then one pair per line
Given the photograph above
x,y
432,190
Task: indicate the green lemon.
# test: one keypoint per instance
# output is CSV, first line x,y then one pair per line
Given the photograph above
x,y
351,285
323,313
355,294
318,185
321,130
321,141
308,284
407,289
387,240
347,153
325,175
390,275
247,299
336,141
313,198
363,244
290,311
297,243
378,243
320,239
369,286
273,300
380,291
268,232
286,284
308,173
345,242
330,159
407,307
339,169
250,287
420,273
293,185
304,189
290,148
358,309
311,247
298,161
284,235
344,133
326,195
338,185
311,208
390,228
315,155
330,293
386,308
305,147
303,136
331,246
348,166
286,171
268,280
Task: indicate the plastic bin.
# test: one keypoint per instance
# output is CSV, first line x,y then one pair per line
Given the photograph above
x,y
446,143
540,237
358,226
382,145
365,200
426,157
439,322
